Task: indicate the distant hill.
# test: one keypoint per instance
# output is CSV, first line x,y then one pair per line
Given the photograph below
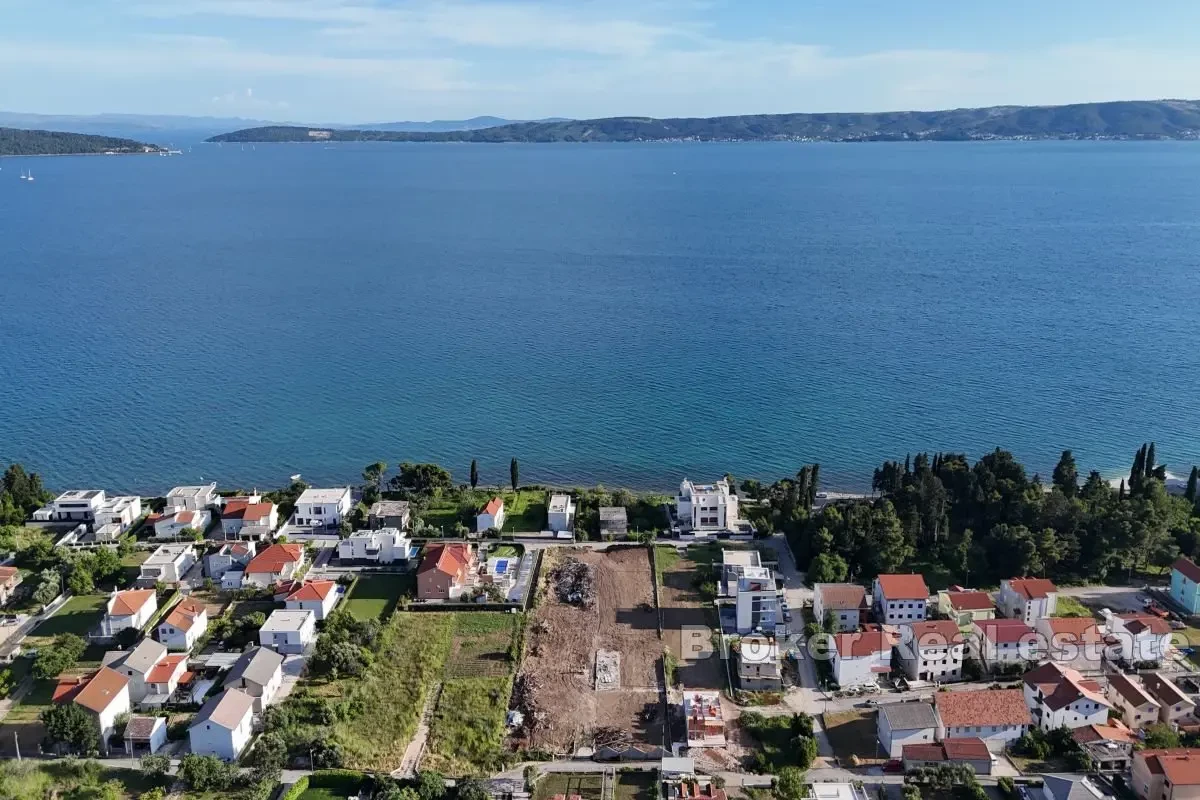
x,y
19,142
1137,119
445,125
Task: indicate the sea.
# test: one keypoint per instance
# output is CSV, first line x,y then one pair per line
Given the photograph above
x,y
625,314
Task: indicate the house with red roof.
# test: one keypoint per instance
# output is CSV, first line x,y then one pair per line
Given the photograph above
x,y
104,695
446,572
1167,774
1059,697
997,716
492,516
900,599
966,607
1028,599
1185,584
10,579
1073,641
248,518
1004,645
1137,638
1109,747
861,658
128,609
318,597
171,523
971,751
1138,709
931,651
183,624
279,562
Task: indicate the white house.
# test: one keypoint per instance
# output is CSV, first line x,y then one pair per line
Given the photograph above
x,y
76,505
997,716
931,651
168,564
288,631
192,498
106,696
1059,697
163,679
136,665
1075,642
223,726
492,516
560,514
229,556
145,735
322,508
115,516
1006,644
758,663
1138,709
706,507
1175,707
1137,638
128,609
900,599
757,601
1028,599
259,673
172,523
900,724
861,658
318,597
183,625
248,518
847,602
382,546
279,562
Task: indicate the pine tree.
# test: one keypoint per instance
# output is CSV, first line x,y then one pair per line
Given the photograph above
x,y
1190,494
514,473
1066,475
474,473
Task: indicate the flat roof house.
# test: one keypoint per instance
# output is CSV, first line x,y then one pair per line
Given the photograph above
x,y
183,625
704,717
758,663
115,516
1028,599
492,516
76,505
288,631
901,724
757,604
1059,697
1168,774
997,716
445,572
706,507
614,520
382,546
129,609
259,673
847,602
322,509
900,599
223,726
734,564
389,514
192,498
318,597
278,562
560,513
168,564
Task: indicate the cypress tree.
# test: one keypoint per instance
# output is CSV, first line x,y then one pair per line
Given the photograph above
x,y
474,473
1150,460
1190,494
1139,465
1066,475
514,473
1121,491
907,464
814,480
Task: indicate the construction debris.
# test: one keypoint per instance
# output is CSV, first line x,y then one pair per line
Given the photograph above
x,y
608,670
574,582
611,737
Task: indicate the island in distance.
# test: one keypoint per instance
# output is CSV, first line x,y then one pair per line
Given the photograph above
x,y
18,142
1133,119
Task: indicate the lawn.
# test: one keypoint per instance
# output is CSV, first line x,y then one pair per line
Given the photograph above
x,y
445,516
78,615
35,701
585,784
635,786
1070,607
525,510
852,735
131,566
376,596
505,551
666,558
481,644
68,777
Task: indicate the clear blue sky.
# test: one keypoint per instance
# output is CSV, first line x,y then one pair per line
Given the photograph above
x,y
380,60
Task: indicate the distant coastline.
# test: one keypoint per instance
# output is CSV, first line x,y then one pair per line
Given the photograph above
x,y
20,142
1131,120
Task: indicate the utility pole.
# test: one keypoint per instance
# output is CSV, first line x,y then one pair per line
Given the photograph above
x,y
17,742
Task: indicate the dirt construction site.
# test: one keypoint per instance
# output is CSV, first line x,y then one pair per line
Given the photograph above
x,y
591,674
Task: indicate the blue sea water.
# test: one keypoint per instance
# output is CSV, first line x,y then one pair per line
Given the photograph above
x,y
620,313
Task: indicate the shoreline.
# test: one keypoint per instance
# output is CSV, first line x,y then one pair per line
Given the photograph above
x,y
75,155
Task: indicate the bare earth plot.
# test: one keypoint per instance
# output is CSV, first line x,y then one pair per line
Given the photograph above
x,y
560,658
688,622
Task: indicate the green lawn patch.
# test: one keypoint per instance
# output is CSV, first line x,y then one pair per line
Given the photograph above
x,y
78,615
482,645
376,596
445,516
69,778
525,510
35,701
635,786
1070,607
504,551
585,784
666,558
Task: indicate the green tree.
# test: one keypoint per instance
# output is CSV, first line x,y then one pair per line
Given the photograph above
x,y
789,784
1160,736
1066,475
59,657
156,767
1190,492
472,789
80,580
827,568
49,584
514,473
206,773
431,785
421,480
474,473
70,725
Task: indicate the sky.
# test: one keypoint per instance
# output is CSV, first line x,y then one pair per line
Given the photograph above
x,y
353,61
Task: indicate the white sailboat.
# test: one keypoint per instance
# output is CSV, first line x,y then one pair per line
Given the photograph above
x,y
24,177
29,177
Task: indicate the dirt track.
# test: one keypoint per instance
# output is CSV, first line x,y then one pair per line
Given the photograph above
x,y
563,640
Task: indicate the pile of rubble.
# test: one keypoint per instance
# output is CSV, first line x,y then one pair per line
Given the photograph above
x,y
611,737
525,700
608,670
574,582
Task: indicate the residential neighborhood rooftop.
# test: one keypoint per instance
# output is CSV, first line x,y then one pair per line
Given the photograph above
x,y
286,620
908,716
1130,689
1062,686
1187,568
970,601
101,689
276,557
982,707
904,587
330,496
389,508
168,553
1032,588
841,596
226,709
258,664
184,615
559,503
1180,765
129,602
1006,631
862,643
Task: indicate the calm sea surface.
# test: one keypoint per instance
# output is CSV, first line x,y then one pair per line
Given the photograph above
x,y
620,313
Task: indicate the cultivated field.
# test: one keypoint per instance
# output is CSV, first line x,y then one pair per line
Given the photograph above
x,y
562,640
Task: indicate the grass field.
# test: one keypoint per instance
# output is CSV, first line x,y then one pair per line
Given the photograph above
x,y
69,778
852,734
1070,607
78,615
35,701
524,510
444,516
376,596
505,551
666,557
322,793
629,785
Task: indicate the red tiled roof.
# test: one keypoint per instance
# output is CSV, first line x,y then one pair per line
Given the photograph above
x,y
903,587
67,688
7,573
1180,765
162,671
101,690
494,505
855,645
936,633
970,601
1136,623
1006,631
128,603
1114,731
448,559
242,508
1060,686
842,596
923,752
317,590
967,748
1187,568
276,557
1032,588
1130,690
185,517
184,615
1074,630
958,709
